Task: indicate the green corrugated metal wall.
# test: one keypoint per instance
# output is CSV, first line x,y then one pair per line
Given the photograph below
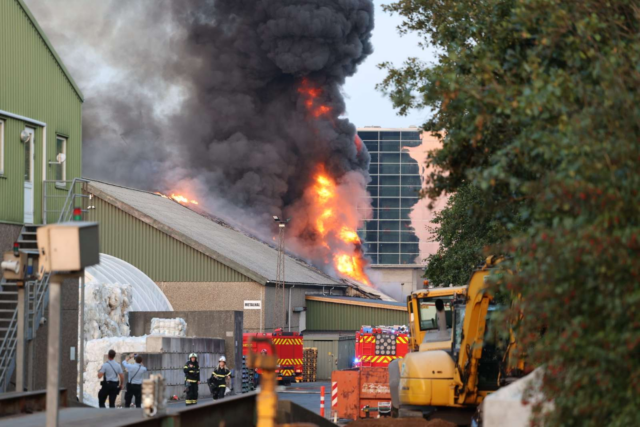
x,y
158,255
33,85
327,316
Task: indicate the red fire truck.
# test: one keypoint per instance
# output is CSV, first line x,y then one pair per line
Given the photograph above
x,y
288,348
378,346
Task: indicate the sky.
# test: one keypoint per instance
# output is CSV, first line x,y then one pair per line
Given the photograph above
x,y
365,105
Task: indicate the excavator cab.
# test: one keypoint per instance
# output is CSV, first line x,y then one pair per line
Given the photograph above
x,y
427,333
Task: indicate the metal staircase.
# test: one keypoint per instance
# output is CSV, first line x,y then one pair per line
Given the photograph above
x,y
36,294
59,200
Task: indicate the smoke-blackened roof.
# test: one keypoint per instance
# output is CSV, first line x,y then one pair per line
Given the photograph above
x,y
243,253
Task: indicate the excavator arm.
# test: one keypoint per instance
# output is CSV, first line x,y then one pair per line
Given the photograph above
x,y
470,319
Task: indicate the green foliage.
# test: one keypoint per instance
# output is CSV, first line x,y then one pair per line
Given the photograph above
x,y
463,229
538,105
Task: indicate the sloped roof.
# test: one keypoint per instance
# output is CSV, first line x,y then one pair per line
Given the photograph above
x,y
231,247
51,49
338,299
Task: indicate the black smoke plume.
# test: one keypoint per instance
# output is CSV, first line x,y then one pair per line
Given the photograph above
x,y
206,94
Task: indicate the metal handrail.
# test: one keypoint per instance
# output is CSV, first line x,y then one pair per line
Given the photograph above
x,y
39,289
41,297
8,348
66,212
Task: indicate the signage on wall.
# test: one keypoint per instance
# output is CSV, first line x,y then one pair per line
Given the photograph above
x,y
253,305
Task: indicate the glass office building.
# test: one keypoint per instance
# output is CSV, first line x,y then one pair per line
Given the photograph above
x,y
390,235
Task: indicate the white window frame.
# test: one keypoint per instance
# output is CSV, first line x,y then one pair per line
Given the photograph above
x,y
65,140
2,126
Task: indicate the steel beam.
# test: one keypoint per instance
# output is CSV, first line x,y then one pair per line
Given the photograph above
x,y
20,337
53,353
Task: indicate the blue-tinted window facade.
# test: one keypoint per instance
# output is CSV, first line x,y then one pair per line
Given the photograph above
x,y
395,183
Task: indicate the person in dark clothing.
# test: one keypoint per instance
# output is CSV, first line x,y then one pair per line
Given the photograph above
x,y
112,382
218,379
192,379
134,384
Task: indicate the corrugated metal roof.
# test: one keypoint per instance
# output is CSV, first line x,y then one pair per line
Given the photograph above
x,y
389,305
231,247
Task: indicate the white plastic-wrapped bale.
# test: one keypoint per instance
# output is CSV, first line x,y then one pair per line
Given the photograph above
x,y
107,309
170,327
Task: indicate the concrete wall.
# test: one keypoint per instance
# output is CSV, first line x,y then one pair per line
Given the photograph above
x,y
168,355
215,296
206,296
226,325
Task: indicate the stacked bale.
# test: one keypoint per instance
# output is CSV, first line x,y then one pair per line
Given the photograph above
x,y
248,377
169,327
309,364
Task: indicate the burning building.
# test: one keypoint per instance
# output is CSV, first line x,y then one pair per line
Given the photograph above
x,y
202,264
238,101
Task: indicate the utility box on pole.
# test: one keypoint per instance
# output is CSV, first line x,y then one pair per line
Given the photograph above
x,y
65,250
68,246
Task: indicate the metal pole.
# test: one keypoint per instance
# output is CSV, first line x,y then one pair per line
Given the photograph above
x,y
261,304
44,200
290,308
20,336
31,291
53,353
81,346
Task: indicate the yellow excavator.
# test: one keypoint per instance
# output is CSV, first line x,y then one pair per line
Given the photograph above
x,y
454,363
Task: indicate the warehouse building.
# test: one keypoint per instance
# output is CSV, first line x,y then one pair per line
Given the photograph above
x,y
330,324
40,152
201,264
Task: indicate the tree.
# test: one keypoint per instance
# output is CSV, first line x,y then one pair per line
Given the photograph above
x,y
540,105
467,225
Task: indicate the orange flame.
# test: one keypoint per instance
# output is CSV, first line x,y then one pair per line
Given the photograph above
x,y
358,143
178,198
330,225
352,266
348,235
311,101
333,211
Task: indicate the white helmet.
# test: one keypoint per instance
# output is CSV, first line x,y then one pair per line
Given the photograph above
x,y
193,355
222,359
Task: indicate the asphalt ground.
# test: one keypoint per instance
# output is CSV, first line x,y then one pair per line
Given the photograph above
x,y
307,395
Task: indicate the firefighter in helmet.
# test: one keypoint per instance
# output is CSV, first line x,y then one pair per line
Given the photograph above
x,y
218,379
192,379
